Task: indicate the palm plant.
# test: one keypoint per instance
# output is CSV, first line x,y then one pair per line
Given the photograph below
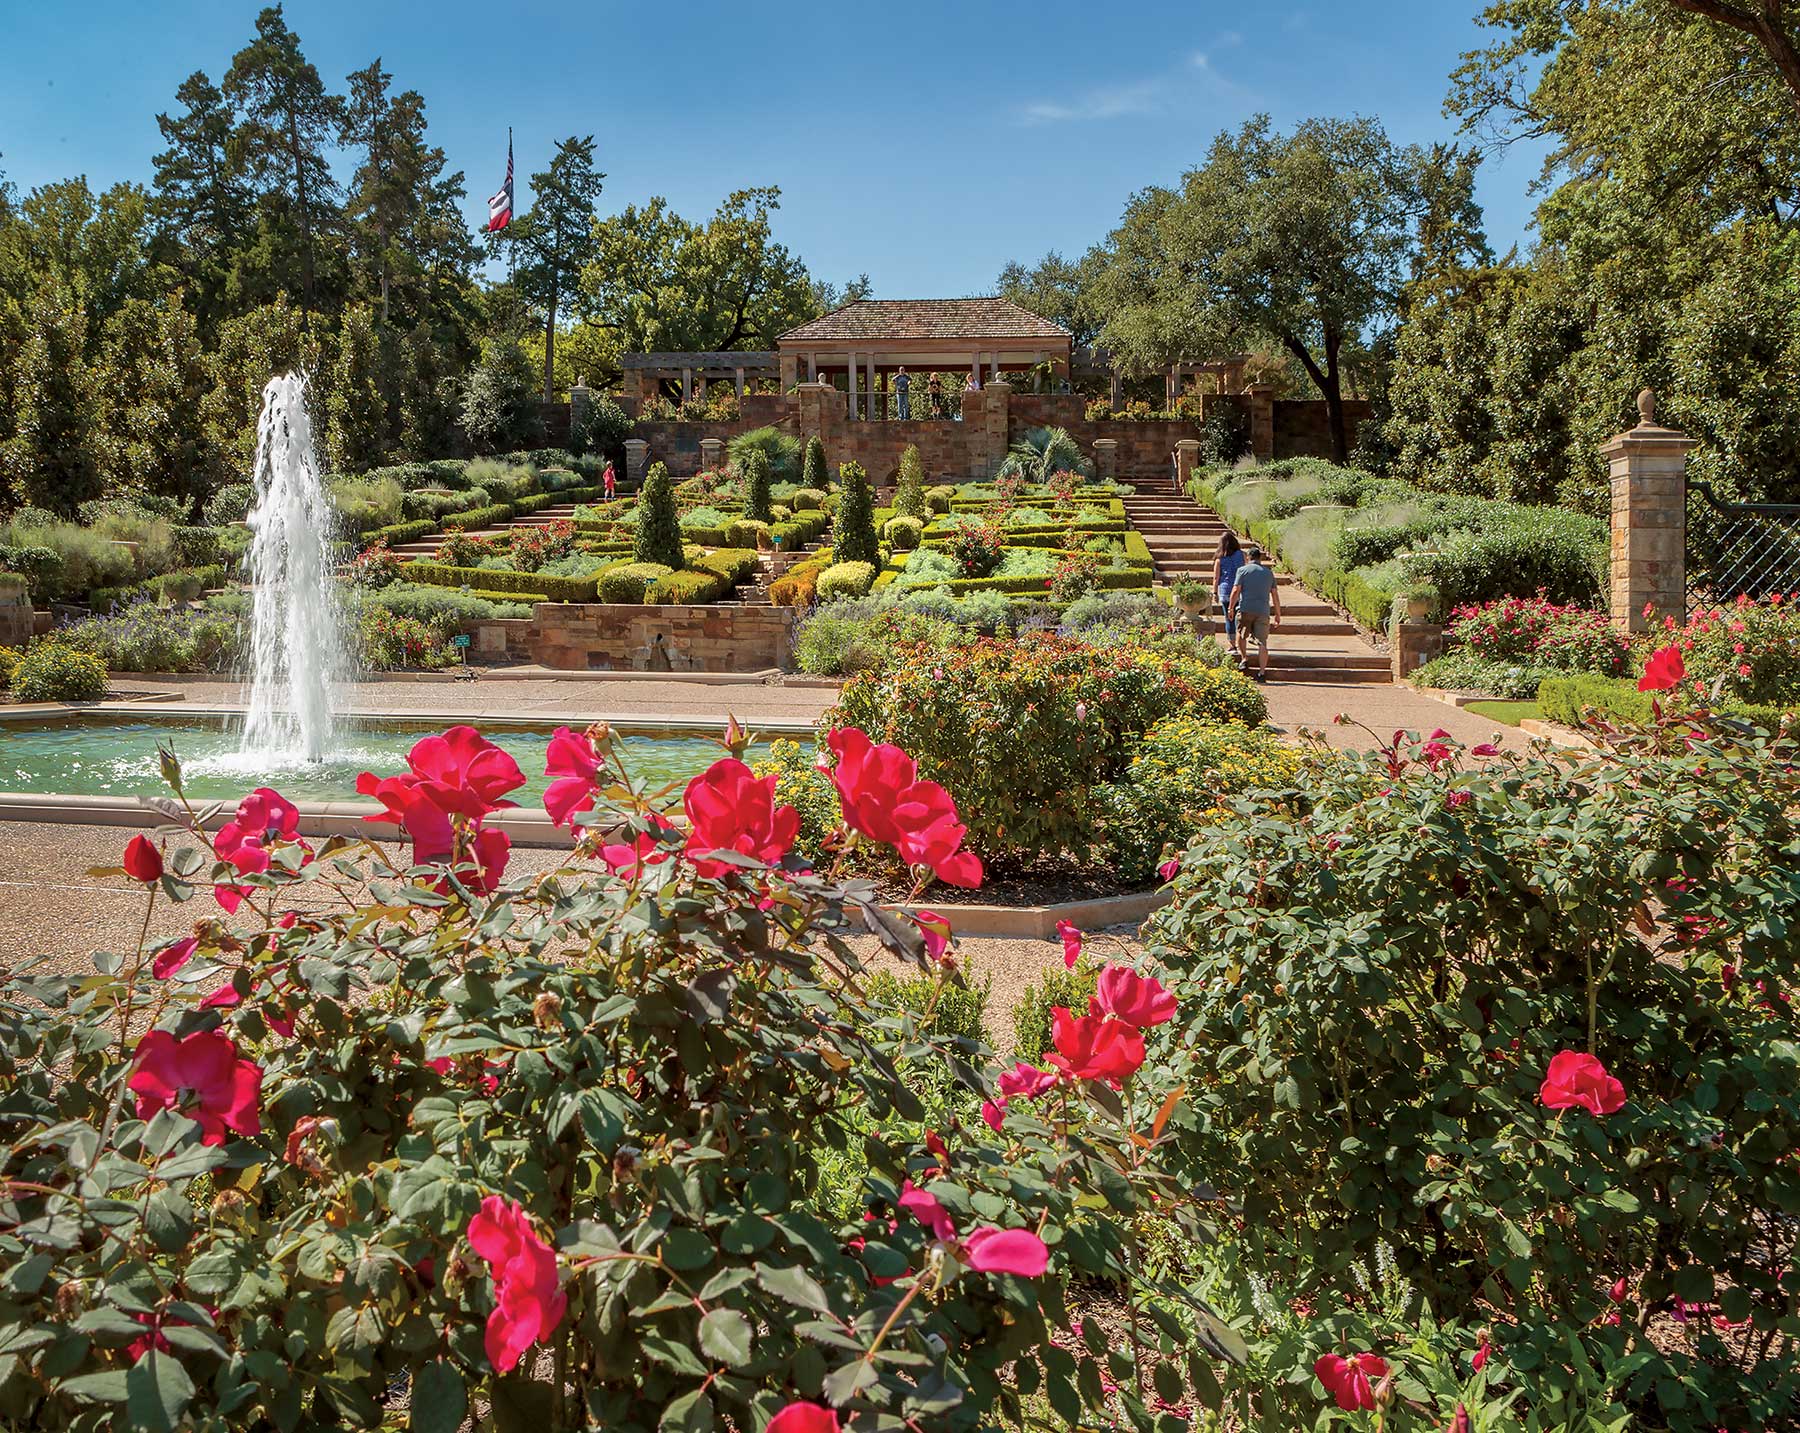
x,y
1041,452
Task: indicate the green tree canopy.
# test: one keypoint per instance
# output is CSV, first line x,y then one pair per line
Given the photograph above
x,y
661,282
554,240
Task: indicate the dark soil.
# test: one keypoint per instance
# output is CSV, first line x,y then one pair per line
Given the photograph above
x,y
1044,884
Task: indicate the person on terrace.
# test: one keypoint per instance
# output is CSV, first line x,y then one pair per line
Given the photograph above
x,y
1256,606
903,393
1226,562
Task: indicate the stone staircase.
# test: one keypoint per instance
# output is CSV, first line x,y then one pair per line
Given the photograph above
x,y
1314,644
425,547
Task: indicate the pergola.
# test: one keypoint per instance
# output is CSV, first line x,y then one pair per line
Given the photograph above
x,y
642,372
873,339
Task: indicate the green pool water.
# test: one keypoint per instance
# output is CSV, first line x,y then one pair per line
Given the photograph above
x,y
113,757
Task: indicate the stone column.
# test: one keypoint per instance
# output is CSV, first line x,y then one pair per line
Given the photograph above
x,y
1187,458
687,384
1106,457
1117,398
581,403
988,436
637,460
1261,403
712,455
869,366
790,371
737,378
1648,466
850,399
812,368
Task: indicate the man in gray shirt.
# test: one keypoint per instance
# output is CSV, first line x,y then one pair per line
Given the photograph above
x,y
1255,607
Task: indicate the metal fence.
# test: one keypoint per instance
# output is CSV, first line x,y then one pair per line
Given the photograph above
x,y
1752,549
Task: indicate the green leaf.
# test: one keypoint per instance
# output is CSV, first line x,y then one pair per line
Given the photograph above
x,y
169,1219
795,1286
157,1392
843,1384
108,1387
691,1413
439,1400
686,1249
725,1335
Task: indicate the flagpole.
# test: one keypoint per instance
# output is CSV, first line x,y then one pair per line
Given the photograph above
x,y
512,252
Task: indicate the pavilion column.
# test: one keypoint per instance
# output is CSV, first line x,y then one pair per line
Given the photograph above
x,y
1037,373
812,368
1118,391
873,411
790,371
737,375
687,384
850,406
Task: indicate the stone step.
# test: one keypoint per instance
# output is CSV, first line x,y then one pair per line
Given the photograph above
x,y
1323,676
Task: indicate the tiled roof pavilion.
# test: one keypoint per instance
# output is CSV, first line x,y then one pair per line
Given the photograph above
x,y
983,337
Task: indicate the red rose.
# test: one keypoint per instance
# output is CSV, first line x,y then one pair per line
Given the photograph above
x,y
729,809
1348,1380
1577,1079
1664,670
143,862
528,1297
1090,1049
202,1077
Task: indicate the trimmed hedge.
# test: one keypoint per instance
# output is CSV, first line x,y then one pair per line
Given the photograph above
x,y
1109,578
798,586
1617,699
735,564
491,516
629,581
688,586
400,532
845,579
538,584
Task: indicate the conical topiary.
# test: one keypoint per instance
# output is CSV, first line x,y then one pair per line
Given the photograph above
x,y
659,525
755,470
853,530
909,499
812,470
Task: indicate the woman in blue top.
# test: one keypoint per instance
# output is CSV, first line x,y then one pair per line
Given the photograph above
x,y
1226,562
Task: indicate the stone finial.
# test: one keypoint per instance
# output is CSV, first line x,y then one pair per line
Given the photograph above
x,y
1646,401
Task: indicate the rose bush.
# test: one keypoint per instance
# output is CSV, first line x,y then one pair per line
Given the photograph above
x,y
1023,730
425,1131
1528,1020
1747,652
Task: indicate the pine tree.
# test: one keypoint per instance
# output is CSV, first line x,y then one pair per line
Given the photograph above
x,y
201,205
356,412
755,466
909,499
812,469
554,241
53,458
659,525
853,530
287,120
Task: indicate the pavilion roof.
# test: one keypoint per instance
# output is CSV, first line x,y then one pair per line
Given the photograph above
x,y
875,320
734,358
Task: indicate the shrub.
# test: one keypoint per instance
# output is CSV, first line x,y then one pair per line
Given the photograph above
x,y
939,498
1538,632
688,587
909,493
844,579
813,474
977,549
755,470
83,559
798,586
629,581
779,450
145,637
1463,671
363,504
196,546
658,539
1378,965
232,503
9,665
490,516
538,586
1747,652
1032,1021
1179,778
53,672
388,641
801,784
445,609
39,566
807,500
902,533
853,526
500,1114
1029,726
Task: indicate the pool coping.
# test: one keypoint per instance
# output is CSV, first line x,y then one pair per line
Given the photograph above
x,y
1039,922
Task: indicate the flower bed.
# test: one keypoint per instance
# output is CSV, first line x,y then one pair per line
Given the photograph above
x,y
1507,648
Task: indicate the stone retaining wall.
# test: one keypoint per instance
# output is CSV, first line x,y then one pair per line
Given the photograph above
x,y
620,637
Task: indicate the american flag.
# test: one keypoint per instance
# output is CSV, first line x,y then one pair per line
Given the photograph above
x,y
500,206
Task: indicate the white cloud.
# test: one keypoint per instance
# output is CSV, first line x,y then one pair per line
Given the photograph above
x,y
1104,102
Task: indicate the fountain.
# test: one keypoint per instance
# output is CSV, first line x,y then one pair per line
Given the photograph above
x,y
294,647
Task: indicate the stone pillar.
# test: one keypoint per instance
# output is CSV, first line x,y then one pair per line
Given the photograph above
x,y
737,378
1187,458
869,365
637,461
1106,457
790,371
850,392
812,368
712,455
687,384
1261,404
581,403
820,407
1117,397
986,418
1412,644
16,620
1648,466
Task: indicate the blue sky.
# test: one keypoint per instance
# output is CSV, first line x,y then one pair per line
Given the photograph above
x,y
924,143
